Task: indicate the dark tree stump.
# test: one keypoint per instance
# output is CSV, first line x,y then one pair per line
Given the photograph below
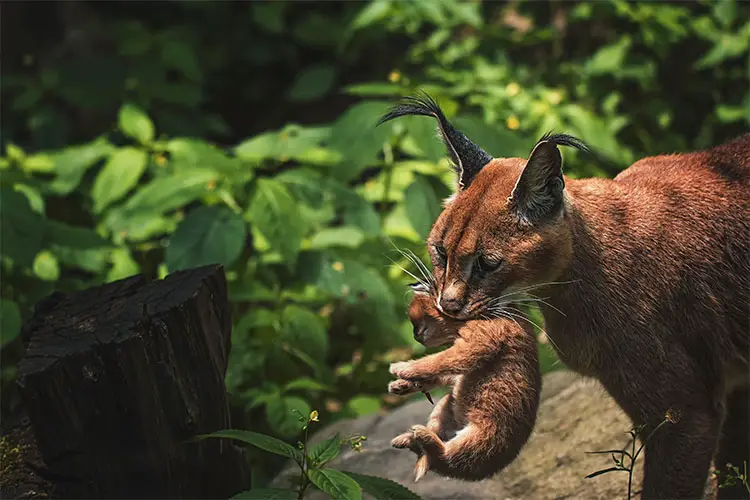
x,y
117,378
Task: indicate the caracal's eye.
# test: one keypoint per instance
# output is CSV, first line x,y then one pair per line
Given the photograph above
x,y
440,251
485,264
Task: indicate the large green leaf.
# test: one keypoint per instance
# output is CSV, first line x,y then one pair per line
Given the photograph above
x,y
497,141
274,212
71,163
422,203
305,330
335,483
21,228
423,130
325,451
10,321
282,417
208,235
189,153
262,441
357,138
168,193
266,494
135,123
383,489
120,174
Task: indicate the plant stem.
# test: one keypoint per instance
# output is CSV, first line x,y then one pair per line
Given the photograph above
x,y
388,158
636,453
303,479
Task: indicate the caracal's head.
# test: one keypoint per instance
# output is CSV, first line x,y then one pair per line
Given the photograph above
x,y
507,226
431,328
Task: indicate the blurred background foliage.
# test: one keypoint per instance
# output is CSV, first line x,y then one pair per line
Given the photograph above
x,y
148,137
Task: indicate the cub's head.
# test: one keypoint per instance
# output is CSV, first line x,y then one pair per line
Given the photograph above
x,y
507,226
431,328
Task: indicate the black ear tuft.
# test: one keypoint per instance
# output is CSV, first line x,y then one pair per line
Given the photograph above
x,y
539,190
467,157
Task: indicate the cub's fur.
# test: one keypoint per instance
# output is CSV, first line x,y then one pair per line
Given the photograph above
x,y
646,281
493,367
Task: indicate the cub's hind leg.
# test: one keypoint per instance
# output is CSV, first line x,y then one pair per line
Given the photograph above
x,y
734,441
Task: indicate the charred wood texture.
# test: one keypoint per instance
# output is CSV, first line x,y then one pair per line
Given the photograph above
x,y
116,379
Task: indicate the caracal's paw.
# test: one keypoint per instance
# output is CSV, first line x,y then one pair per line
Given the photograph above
x,y
427,440
405,441
403,387
399,368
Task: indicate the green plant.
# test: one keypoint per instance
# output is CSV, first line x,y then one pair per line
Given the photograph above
x,y
621,464
313,465
733,476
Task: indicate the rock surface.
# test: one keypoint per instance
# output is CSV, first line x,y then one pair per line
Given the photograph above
x,y
576,415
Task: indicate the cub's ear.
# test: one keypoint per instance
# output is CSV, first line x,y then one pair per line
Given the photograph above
x,y
538,193
468,158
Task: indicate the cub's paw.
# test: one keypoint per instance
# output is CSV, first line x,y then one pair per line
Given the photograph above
x,y
400,368
402,387
427,440
405,441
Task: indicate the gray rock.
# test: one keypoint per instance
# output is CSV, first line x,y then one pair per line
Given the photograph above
x,y
576,415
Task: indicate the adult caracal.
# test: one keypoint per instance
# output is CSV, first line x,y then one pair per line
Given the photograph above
x,y
493,368
646,279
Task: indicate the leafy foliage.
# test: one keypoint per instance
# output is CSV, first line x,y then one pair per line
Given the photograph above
x,y
138,139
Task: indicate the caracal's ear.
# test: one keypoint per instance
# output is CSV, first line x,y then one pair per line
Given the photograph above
x,y
468,158
538,193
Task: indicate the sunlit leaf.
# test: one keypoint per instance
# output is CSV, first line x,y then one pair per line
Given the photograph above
x,y
262,441
335,483
120,174
135,123
274,212
381,488
325,451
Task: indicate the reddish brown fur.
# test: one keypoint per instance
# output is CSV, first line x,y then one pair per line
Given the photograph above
x,y
493,366
655,297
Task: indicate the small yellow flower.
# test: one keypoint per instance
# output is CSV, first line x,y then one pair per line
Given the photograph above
x,y
314,416
394,76
338,266
161,161
555,97
211,185
513,123
512,89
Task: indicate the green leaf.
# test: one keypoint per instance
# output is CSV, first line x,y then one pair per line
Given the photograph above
x,y
21,229
375,89
305,331
364,405
208,235
307,384
325,451
266,494
61,234
262,441
123,265
71,163
273,211
357,138
728,46
192,153
168,193
46,267
312,83
609,59
179,55
496,141
372,13
120,174
422,203
335,483
281,415
10,321
342,236
383,489
134,123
